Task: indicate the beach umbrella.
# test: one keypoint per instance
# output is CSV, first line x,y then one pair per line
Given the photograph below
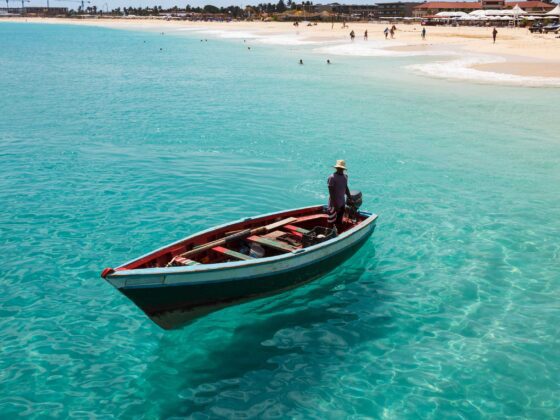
x,y
495,12
451,14
554,12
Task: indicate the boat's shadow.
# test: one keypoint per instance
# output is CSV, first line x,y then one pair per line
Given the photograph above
x,y
211,356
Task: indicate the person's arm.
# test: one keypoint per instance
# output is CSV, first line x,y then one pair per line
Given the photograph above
x,y
349,199
330,183
348,191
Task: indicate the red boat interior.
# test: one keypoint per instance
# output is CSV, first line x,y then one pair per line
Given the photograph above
x,y
254,238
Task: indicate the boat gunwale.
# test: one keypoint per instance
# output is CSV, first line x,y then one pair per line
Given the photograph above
x,y
154,271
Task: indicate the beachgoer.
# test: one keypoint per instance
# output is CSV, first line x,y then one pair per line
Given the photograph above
x,y
392,32
423,33
300,61
365,35
328,61
386,32
494,34
338,189
352,35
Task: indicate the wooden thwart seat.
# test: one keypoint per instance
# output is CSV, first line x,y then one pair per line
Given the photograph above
x,y
231,253
184,261
242,234
296,229
275,234
311,217
272,243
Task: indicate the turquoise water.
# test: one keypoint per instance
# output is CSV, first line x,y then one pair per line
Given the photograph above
x,y
110,148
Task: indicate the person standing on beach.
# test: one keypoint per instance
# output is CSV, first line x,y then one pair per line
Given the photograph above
x,y
392,32
365,35
338,189
494,34
352,36
423,33
386,32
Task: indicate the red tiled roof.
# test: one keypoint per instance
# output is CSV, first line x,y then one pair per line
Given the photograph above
x,y
450,5
530,4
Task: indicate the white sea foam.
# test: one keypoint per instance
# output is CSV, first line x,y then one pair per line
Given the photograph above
x,y
230,34
378,49
284,40
462,69
187,29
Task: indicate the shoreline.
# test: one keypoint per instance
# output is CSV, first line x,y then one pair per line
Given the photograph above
x,y
518,57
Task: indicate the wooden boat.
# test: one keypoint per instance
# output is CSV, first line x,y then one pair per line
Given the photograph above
x,y
236,262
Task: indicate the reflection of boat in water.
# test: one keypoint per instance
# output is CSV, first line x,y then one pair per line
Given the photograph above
x,y
251,258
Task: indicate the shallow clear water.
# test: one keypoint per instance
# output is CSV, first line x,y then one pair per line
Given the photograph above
x,y
110,148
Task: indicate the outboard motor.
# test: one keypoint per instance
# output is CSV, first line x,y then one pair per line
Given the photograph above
x,y
353,206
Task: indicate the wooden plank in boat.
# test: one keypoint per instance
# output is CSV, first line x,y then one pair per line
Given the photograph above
x,y
293,228
239,235
281,223
185,261
231,253
271,243
311,217
275,234
294,234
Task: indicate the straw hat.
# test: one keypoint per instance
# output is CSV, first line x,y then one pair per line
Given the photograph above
x,y
340,164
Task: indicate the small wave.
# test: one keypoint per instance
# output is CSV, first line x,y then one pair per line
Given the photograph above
x,y
230,34
188,29
285,40
462,69
378,49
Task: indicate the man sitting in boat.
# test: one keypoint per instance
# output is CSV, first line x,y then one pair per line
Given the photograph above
x,y
338,189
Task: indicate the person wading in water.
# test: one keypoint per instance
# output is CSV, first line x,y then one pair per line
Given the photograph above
x,y
338,189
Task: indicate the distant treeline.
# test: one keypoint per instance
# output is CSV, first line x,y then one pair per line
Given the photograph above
x,y
233,11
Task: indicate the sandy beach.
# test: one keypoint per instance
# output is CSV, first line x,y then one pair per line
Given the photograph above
x,y
532,59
